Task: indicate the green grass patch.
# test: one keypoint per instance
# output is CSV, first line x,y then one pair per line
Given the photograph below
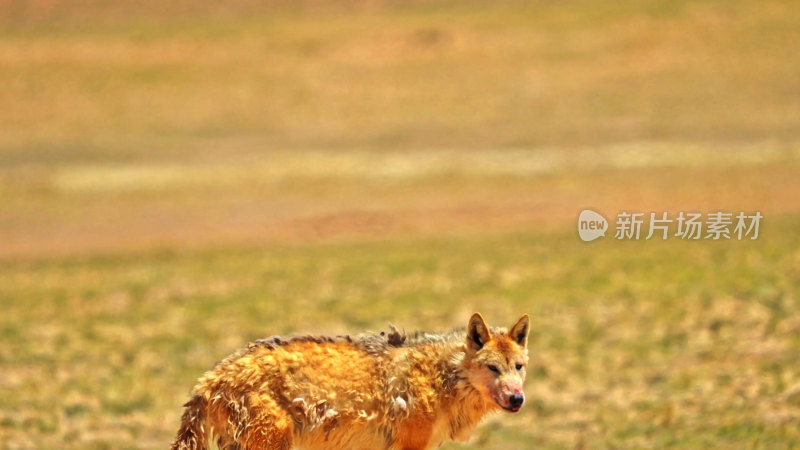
x,y
626,350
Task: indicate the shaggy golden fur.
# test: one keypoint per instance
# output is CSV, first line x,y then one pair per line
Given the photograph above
x,y
376,391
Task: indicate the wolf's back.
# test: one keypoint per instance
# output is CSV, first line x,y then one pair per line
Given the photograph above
x,y
308,382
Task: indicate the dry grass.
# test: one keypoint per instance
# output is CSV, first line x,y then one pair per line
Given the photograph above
x,y
313,196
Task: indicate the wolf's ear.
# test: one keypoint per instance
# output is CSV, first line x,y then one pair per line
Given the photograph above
x,y
477,332
519,331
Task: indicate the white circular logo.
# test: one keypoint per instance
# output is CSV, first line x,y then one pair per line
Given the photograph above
x,y
591,225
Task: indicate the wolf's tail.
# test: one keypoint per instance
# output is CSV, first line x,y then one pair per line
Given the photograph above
x,y
191,435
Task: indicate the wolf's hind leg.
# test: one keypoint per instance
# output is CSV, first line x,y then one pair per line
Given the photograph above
x,y
269,427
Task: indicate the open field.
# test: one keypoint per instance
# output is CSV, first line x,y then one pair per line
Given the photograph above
x,y
177,180
676,344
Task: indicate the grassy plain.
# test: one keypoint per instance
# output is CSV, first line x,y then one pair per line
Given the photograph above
x,y
177,180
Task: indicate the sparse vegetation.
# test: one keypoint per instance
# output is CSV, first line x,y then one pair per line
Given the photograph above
x,y
175,182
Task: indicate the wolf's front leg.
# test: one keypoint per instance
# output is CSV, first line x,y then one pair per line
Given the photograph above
x,y
414,434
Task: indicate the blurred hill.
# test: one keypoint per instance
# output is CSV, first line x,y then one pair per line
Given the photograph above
x,y
112,81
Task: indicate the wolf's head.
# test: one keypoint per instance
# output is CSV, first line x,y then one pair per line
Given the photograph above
x,y
496,361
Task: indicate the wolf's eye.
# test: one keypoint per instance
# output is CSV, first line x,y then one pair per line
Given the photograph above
x,y
493,368
519,366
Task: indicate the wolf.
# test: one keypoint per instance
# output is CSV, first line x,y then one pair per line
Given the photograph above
x,y
388,390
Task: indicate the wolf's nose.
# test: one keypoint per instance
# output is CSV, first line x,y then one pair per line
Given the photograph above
x,y
516,400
